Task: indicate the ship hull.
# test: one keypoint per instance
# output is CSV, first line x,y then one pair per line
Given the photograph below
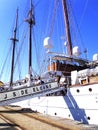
x,y
80,103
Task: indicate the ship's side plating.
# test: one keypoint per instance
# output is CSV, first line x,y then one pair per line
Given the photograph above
x,y
80,103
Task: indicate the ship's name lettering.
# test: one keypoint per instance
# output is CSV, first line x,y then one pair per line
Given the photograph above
x,y
41,88
26,91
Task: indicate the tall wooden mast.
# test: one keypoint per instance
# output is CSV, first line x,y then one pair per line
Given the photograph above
x,y
31,22
14,39
69,44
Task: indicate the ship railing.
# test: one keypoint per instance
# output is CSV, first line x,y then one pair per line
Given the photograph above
x,y
25,83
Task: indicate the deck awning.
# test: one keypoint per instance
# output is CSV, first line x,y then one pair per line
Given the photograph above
x,y
70,59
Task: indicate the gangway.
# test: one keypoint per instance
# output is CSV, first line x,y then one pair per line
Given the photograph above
x,y
27,92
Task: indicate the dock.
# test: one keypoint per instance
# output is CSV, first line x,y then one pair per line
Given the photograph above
x,y
17,118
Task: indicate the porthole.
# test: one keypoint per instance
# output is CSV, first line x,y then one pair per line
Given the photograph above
x,y
55,113
88,118
90,89
69,115
78,90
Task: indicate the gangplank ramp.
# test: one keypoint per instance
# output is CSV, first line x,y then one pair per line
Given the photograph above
x,y
16,95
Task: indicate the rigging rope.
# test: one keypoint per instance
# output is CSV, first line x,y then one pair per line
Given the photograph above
x,y
53,17
19,53
2,70
84,10
77,27
36,51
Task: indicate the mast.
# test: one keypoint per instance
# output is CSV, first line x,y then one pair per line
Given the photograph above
x,y
31,22
69,43
14,40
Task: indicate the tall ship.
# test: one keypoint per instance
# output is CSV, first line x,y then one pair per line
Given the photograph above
x,y
67,86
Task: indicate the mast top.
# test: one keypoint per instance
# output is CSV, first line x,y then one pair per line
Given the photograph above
x,y
31,19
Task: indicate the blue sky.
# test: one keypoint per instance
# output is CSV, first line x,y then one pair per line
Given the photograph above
x,y
88,22
84,11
